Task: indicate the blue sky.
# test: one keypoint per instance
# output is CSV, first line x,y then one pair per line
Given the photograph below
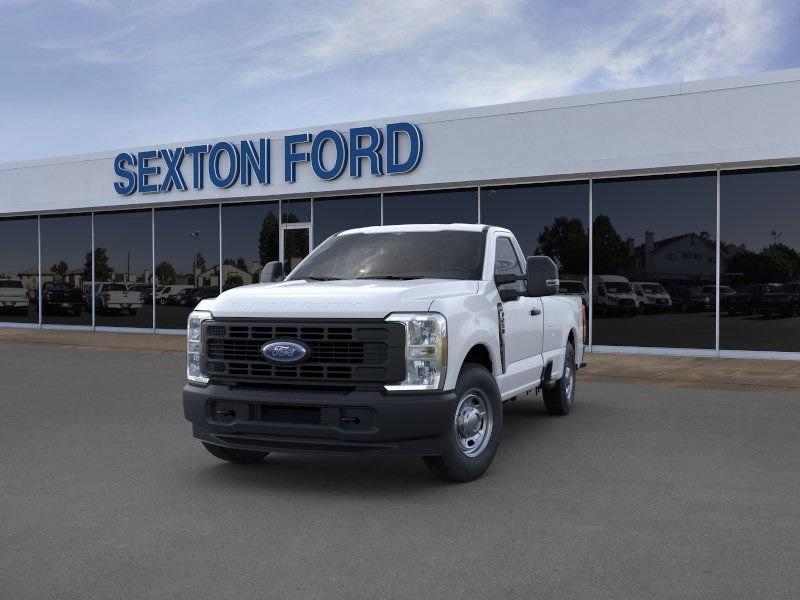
x,y
88,75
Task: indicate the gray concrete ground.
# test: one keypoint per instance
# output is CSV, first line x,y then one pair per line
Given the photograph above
x,y
642,492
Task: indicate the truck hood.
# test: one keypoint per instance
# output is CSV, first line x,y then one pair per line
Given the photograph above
x,y
368,298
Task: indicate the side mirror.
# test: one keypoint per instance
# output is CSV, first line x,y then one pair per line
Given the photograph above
x,y
542,276
272,271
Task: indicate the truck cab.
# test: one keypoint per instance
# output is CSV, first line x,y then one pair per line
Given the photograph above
x,y
401,340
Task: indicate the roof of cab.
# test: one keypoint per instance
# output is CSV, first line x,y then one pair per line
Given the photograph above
x,y
421,227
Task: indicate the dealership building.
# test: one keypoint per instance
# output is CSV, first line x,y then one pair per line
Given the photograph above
x,y
673,210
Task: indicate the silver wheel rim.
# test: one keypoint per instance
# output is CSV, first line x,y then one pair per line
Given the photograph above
x,y
569,376
473,423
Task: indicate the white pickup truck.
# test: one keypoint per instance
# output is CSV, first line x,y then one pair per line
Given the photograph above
x,y
401,340
116,298
13,296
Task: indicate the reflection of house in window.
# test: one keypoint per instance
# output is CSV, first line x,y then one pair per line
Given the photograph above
x,y
689,256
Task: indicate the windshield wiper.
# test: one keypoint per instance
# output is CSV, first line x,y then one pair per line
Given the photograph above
x,y
323,278
398,277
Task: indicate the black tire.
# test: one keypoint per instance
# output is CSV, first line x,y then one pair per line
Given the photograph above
x,y
232,455
476,389
558,399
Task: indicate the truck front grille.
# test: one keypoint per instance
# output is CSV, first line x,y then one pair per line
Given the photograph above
x,y
351,352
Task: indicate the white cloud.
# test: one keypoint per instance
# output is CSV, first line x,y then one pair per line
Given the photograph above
x,y
678,40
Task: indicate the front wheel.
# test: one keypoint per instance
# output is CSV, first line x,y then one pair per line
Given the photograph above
x,y
240,457
476,427
558,399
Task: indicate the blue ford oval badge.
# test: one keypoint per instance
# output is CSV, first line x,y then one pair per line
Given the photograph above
x,y
284,351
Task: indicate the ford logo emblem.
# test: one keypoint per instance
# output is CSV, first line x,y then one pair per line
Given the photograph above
x,y
285,352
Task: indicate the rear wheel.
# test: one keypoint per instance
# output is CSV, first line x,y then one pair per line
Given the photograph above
x,y
477,423
558,399
240,457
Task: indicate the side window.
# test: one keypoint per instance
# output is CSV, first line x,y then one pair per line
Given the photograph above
x,y
506,262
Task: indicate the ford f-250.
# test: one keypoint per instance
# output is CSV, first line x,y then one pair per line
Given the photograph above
x,y
401,340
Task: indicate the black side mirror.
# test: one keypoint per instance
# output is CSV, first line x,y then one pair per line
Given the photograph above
x,y
542,276
272,271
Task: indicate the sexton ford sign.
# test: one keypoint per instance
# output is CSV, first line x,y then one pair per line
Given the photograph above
x,y
224,164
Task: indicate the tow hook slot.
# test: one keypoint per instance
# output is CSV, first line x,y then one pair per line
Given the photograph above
x,y
350,421
225,413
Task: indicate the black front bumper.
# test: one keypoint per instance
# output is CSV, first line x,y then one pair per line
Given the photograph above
x,y
369,422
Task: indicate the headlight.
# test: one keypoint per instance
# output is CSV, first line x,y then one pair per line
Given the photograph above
x,y
194,346
426,350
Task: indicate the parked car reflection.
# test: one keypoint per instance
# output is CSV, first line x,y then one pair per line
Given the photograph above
x,y
13,297
116,298
747,300
783,302
573,287
689,298
652,297
613,295
61,298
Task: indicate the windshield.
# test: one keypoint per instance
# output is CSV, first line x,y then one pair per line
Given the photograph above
x,y
617,287
652,288
115,287
10,283
396,255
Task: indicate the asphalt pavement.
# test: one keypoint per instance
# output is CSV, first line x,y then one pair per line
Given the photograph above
x,y
642,492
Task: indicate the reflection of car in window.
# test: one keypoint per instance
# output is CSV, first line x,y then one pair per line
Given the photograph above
x,y
13,296
652,296
573,287
61,298
689,298
114,298
747,300
782,301
613,295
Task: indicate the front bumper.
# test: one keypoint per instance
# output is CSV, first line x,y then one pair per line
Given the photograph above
x,y
330,422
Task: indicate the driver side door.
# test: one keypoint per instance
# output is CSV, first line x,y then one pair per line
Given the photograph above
x,y
523,320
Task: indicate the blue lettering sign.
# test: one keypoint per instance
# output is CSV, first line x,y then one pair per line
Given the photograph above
x,y
318,147
227,163
127,188
393,132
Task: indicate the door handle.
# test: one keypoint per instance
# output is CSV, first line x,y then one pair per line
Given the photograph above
x,y
535,312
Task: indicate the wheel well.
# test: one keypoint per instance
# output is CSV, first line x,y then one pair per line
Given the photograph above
x,y
571,337
479,354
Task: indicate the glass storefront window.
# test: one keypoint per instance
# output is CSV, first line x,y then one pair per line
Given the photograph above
x,y
249,241
332,215
187,262
19,270
654,260
549,219
123,264
444,206
296,211
67,269
760,260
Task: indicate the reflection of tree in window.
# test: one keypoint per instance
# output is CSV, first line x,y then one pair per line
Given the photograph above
x,y
102,270
60,268
295,247
268,239
566,242
776,262
165,273
610,250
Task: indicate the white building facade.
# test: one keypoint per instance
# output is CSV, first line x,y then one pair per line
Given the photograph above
x,y
686,185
